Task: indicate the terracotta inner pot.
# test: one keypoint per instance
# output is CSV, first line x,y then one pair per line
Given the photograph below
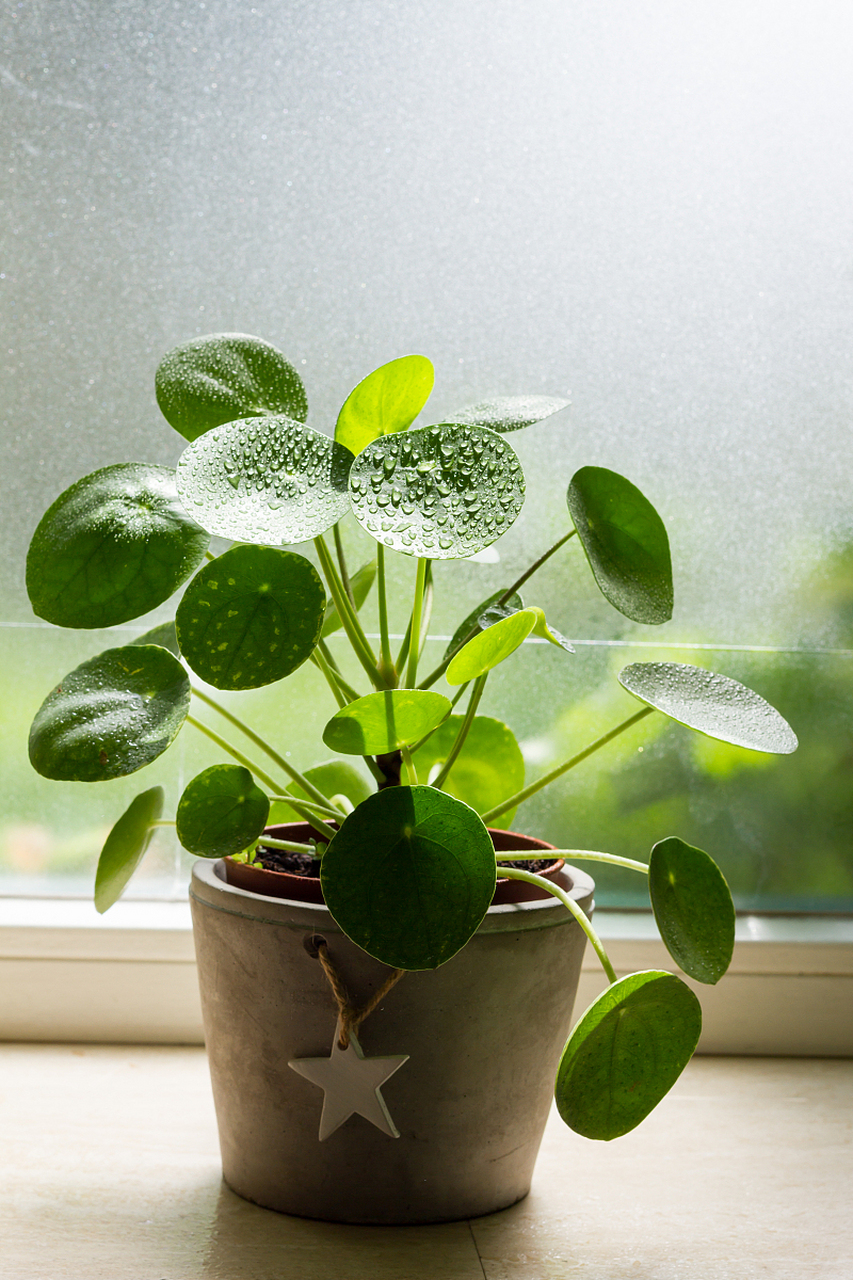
x,y
283,884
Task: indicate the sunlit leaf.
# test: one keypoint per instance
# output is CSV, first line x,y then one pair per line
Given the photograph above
x,y
361,581
409,876
110,716
125,847
711,703
626,1053
490,647
222,812
112,547
488,769
266,480
693,909
334,778
442,492
485,615
224,376
509,413
250,617
385,721
625,542
386,401
542,629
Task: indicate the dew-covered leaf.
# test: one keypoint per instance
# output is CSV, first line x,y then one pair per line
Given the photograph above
x,y
509,413
410,876
488,769
266,480
693,909
112,547
485,615
111,715
490,647
386,401
222,812
218,378
125,847
626,1053
163,634
335,778
385,721
361,581
716,705
441,492
250,617
625,542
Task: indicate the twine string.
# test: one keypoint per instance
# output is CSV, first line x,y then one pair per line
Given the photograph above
x,y
351,1015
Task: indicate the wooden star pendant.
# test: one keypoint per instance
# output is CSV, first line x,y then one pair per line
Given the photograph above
x,y
351,1085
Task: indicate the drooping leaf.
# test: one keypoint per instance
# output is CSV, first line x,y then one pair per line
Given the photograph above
x,y
361,582
716,705
409,876
251,617
542,629
490,647
488,769
110,716
385,721
218,378
509,413
693,909
334,778
125,846
485,615
626,1053
222,812
112,547
442,492
164,634
625,542
386,401
266,480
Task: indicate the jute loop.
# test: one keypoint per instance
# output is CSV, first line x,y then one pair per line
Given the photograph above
x,y
351,1015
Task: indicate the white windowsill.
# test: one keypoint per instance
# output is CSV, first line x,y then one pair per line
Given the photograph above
x,y
69,974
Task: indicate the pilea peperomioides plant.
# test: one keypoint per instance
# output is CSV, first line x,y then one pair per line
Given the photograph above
x,y
408,870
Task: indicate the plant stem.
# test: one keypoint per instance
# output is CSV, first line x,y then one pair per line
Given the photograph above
x,y
210,555
253,768
342,564
410,765
348,615
289,846
415,636
386,662
468,720
322,665
162,822
332,811
294,774
514,874
347,688
520,796
404,647
577,855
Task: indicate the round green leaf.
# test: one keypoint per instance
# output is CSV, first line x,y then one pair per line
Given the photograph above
x,y
488,769
490,647
409,876
693,909
509,413
385,721
485,615
713,704
222,811
267,480
361,582
334,778
250,617
386,401
223,376
625,542
110,716
112,547
442,492
626,1053
125,847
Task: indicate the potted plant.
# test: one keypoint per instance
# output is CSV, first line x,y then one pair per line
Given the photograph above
x,y
304,928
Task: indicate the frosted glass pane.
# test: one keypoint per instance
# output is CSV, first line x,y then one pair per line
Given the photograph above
x,y
645,206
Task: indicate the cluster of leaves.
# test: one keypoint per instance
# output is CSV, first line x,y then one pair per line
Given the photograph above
x,y
408,871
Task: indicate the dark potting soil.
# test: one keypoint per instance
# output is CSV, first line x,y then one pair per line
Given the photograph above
x,y
302,864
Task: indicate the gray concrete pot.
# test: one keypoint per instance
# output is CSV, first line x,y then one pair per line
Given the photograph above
x,y
483,1033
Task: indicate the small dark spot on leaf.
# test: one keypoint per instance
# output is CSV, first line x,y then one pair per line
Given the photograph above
x,y
103,757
